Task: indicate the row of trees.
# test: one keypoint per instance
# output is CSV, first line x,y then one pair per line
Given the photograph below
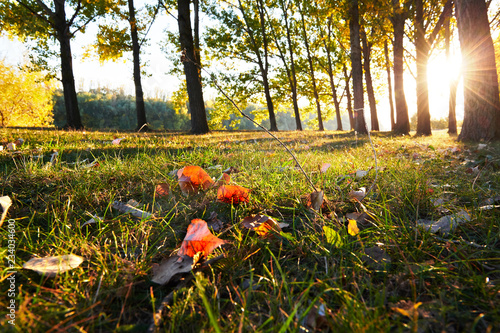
x,y
283,50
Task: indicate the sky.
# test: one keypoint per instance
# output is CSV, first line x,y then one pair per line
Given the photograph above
x,y
90,73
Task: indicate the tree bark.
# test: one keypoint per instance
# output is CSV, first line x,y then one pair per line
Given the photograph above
x,y
481,100
199,123
402,120
369,84
73,120
142,123
357,69
389,84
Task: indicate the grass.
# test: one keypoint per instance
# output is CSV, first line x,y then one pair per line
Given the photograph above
x,y
296,282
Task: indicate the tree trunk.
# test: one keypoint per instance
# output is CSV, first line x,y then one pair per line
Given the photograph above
x,y
481,100
402,119
357,69
349,97
142,124
452,99
311,72
73,120
369,84
331,76
422,48
292,68
199,124
389,83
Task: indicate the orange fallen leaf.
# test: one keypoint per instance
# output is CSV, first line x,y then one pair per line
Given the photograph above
x,y
192,179
199,239
261,224
233,194
162,190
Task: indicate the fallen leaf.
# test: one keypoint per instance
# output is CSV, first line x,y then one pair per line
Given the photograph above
x,y
214,223
352,228
192,179
163,273
5,202
446,224
315,200
162,190
233,194
481,146
361,173
224,179
94,219
19,141
263,225
325,167
199,239
51,266
376,258
53,157
117,141
332,236
127,208
11,146
359,194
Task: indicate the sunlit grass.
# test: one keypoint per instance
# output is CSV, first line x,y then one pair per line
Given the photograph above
x,y
298,281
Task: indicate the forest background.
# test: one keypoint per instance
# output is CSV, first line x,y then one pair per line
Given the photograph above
x,y
320,54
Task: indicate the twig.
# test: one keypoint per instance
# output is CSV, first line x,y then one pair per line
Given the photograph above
x,y
185,58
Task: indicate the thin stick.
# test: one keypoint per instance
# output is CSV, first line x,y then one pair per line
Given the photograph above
x,y
185,58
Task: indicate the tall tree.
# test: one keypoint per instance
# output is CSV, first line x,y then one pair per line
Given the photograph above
x,y
368,79
302,10
481,99
452,99
43,21
423,46
199,123
288,62
389,84
357,69
347,79
398,19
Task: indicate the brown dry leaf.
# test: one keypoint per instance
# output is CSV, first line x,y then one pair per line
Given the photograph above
x,y
214,223
5,202
199,239
263,225
315,200
446,224
162,190
358,195
51,266
231,170
315,320
163,273
192,179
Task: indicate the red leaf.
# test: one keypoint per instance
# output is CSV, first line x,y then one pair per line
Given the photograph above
x,y
192,179
233,194
199,239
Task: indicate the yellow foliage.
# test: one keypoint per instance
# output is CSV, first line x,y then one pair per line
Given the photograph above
x,y
24,100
